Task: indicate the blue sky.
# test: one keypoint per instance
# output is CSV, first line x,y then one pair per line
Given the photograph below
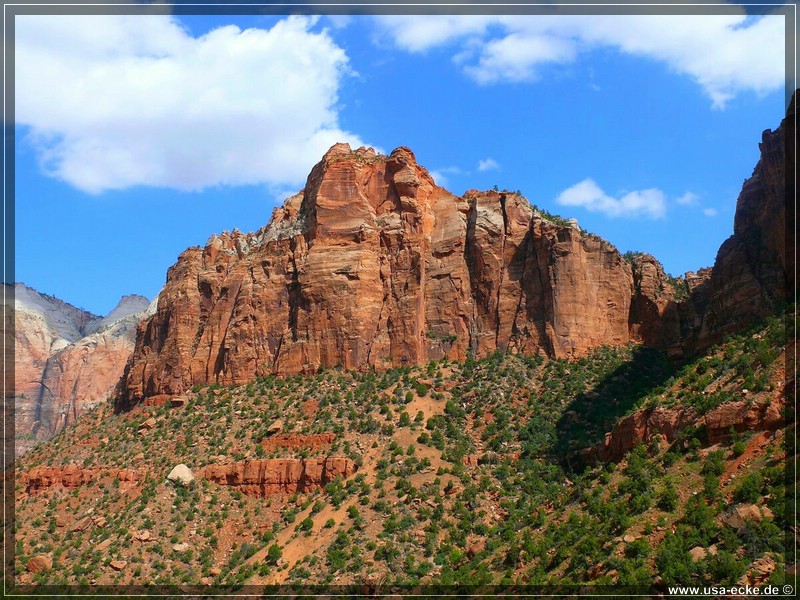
x,y
140,136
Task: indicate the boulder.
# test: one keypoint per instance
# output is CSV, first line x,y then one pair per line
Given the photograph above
x,y
118,565
181,474
81,524
40,562
741,514
148,424
698,553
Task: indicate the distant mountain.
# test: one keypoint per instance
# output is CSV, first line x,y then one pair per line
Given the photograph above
x,y
63,320
66,359
127,306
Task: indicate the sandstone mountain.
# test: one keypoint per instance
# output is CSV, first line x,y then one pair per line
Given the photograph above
x,y
374,265
66,359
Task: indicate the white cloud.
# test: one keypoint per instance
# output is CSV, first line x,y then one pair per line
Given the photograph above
x,y
119,101
417,33
710,212
724,54
439,178
340,21
687,199
440,175
515,57
487,164
648,203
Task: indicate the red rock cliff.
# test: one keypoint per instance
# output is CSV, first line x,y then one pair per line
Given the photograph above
x,y
754,268
373,265
279,475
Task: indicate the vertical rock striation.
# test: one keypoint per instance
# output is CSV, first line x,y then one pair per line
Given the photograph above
x,y
374,265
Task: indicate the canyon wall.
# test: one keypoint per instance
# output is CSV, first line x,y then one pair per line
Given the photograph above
x,y
373,265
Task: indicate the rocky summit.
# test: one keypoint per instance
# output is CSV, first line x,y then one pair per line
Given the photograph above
x,y
373,265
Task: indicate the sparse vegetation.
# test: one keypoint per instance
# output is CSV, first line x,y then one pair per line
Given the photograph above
x,y
472,473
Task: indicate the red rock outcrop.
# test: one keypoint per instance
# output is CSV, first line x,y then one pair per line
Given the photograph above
x,y
639,428
761,414
39,479
373,265
279,475
298,440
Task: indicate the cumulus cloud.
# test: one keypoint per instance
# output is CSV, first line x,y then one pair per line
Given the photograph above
x,y
724,54
687,199
118,101
487,164
648,203
692,200
440,176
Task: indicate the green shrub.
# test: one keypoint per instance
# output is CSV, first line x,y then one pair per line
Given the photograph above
x,y
274,554
714,464
306,524
749,489
738,448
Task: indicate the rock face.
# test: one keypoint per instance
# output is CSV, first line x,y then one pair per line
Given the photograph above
x,y
66,360
655,319
42,478
753,270
764,414
280,475
373,265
